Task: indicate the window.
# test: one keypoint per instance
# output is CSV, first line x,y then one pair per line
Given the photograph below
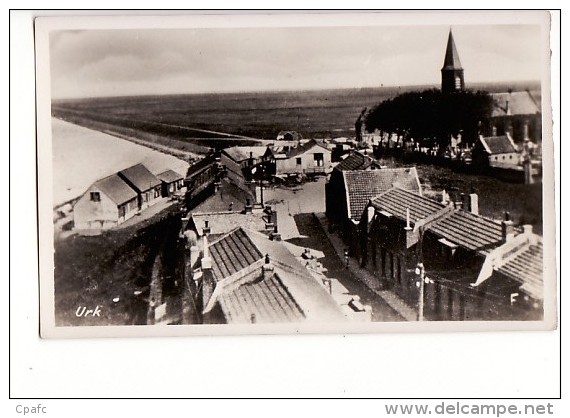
x,y
95,196
319,159
122,211
298,160
457,83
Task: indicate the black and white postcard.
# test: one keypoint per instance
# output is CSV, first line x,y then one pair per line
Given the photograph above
x,y
284,173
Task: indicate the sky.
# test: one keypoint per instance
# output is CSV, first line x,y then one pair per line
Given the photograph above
x,y
93,63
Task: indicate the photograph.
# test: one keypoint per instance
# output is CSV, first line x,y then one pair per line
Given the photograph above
x,y
252,174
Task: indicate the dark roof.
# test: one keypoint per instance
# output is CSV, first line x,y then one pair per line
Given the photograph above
x,y
232,253
470,231
396,200
170,176
291,285
451,61
116,188
498,144
526,268
361,186
268,299
519,103
202,164
139,177
356,161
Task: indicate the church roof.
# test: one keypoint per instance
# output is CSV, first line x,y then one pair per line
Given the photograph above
x,y
451,61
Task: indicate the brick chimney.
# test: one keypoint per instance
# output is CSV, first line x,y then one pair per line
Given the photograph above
x,y
275,235
267,268
508,228
248,206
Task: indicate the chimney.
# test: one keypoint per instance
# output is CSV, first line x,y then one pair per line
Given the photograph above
x,y
508,228
527,229
474,203
444,197
525,130
494,131
275,235
206,230
465,202
208,282
507,108
248,206
267,268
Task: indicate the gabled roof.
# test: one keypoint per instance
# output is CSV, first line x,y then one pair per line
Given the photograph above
x,y
357,161
202,164
470,231
361,186
139,178
451,61
224,222
301,149
116,189
239,154
170,176
259,300
398,201
237,262
515,103
526,268
498,144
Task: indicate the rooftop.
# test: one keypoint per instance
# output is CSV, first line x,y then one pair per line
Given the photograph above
x,y
397,201
526,268
498,144
239,154
140,178
224,222
356,161
515,103
116,188
451,61
361,186
170,176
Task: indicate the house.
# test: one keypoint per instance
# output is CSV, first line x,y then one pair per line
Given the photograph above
x,y
356,160
216,224
431,253
497,152
348,192
308,158
172,182
514,273
246,278
517,113
146,184
239,161
202,178
106,203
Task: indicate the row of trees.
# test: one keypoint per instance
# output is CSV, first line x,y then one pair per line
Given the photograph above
x,y
431,115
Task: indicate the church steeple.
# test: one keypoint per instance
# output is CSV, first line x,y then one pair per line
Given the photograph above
x,y
452,72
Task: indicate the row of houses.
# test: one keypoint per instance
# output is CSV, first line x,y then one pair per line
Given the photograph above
x,y
459,264
114,199
239,271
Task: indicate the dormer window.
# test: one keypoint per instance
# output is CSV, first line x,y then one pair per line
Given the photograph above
x,y
447,248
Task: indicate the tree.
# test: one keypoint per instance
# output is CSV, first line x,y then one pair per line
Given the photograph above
x,y
431,115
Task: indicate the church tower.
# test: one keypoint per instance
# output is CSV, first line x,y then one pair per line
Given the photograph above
x,y
452,72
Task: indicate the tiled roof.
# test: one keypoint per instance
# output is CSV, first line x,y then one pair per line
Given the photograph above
x,y
261,301
498,144
243,250
239,154
361,186
224,222
117,190
397,200
170,176
356,161
232,253
520,103
139,177
470,231
451,61
526,268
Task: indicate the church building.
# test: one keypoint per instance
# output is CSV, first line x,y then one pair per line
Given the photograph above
x,y
452,72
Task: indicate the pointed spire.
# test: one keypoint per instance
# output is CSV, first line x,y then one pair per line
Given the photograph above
x,y
451,61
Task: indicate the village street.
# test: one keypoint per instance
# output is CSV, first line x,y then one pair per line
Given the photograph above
x,y
299,227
